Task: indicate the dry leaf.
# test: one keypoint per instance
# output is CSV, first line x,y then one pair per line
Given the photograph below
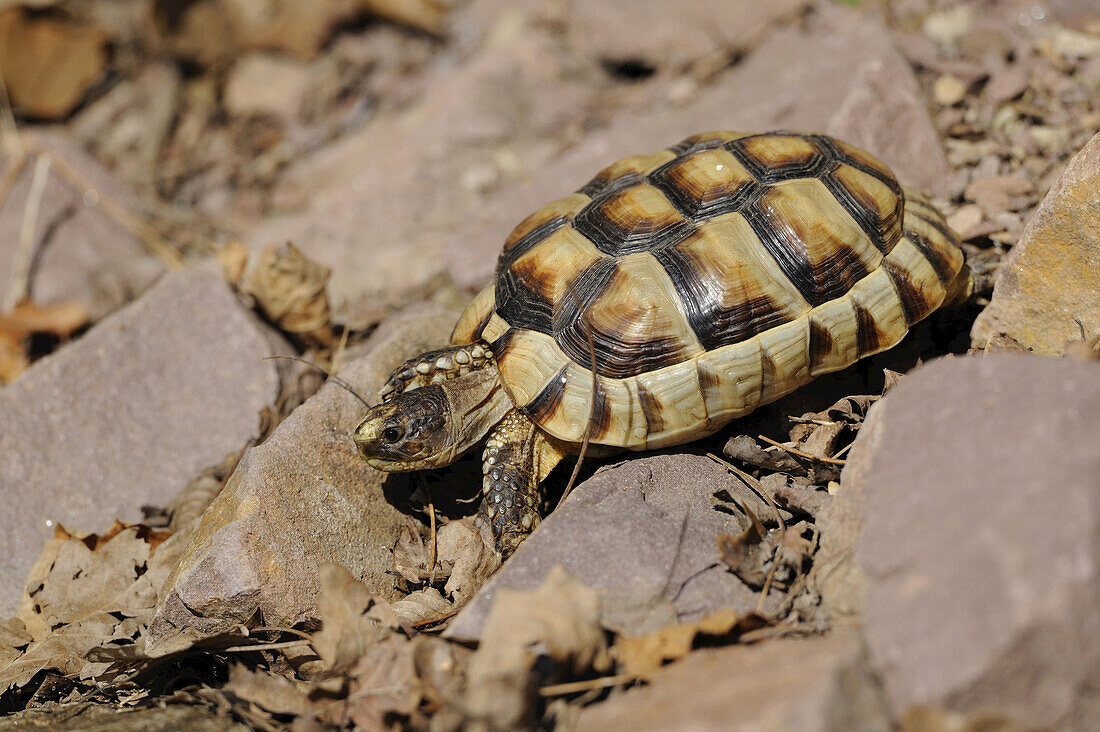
x,y
474,560
85,591
559,620
749,556
347,631
49,64
28,318
290,290
423,606
644,654
276,694
384,682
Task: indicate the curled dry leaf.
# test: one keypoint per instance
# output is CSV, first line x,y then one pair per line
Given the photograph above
x,y
557,621
290,290
48,64
423,606
749,555
643,654
463,558
347,629
273,693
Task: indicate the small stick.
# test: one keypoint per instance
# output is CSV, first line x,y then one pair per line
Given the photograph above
x,y
433,621
142,231
19,288
800,453
574,687
266,646
335,379
433,553
843,450
591,410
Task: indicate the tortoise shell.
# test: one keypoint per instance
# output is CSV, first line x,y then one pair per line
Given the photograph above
x,y
708,279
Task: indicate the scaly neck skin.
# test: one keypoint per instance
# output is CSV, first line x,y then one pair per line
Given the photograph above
x,y
477,403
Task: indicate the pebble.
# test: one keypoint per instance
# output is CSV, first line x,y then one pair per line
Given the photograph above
x,y
948,90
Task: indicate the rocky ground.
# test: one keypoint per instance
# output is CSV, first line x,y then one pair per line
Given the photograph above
x,y
191,540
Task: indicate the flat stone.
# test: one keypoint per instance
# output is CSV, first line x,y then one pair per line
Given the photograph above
x,y
266,84
1048,288
432,191
79,253
643,532
810,684
128,413
697,28
977,541
841,76
302,499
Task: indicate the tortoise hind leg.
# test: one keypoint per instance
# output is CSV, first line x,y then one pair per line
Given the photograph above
x,y
518,456
436,366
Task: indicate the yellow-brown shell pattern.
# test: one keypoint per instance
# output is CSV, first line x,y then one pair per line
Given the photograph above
x,y
710,278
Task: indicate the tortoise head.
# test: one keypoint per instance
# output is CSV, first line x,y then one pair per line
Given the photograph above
x,y
431,426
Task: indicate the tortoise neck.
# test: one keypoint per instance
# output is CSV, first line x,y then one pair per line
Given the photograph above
x,y
477,403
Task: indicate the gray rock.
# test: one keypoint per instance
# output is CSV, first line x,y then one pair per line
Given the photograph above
x,y
128,413
811,684
1048,288
974,503
80,253
644,533
302,499
439,185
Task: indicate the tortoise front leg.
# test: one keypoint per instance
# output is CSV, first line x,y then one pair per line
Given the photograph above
x,y
436,366
518,456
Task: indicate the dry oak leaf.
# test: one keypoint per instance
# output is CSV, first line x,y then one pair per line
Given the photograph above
x,y
558,620
290,289
28,318
348,629
48,64
276,694
643,654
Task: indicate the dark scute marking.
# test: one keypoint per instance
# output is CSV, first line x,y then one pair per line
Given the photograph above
x,y
611,239
913,305
821,344
529,241
714,324
651,408
811,168
615,358
691,145
547,401
708,383
601,187
827,143
520,306
865,216
694,208
601,413
503,344
936,257
829,279
868,337
768,373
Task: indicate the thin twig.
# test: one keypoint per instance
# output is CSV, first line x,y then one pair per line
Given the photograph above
x,y
433,621
139,228
19,288
266,646
335,379
800,453
755,485
591,409
843,450
433,552
574,687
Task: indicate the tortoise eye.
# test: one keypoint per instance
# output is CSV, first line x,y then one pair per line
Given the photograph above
x,y
392,434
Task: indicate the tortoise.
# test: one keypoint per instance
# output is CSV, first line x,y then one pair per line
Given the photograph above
x,y
703,280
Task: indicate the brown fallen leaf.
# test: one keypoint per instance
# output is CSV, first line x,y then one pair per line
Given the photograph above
x,y
290,290
347,631
644,654
86,591
559,622
423,606
28,318
48,64
384,682
276,694
749,555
